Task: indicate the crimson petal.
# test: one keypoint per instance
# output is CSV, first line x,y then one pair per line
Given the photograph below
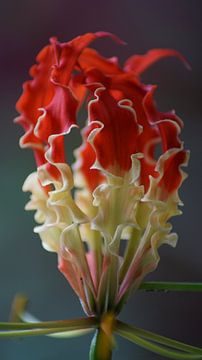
x,y
115,142
139,63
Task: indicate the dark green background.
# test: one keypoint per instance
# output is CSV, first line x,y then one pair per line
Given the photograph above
x,y
24,265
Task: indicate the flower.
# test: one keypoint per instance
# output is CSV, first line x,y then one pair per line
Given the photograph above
x,y
108,233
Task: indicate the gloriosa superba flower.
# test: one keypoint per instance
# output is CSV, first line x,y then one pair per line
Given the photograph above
x,y
108,233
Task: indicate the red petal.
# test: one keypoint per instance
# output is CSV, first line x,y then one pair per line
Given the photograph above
x,y
172,174
125,86
116,141
91,59
60,114
67,54
55,61
139,63
168,124
39,91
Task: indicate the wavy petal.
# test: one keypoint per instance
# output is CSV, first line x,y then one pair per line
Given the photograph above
x,y
91,59
170,175
38,92
56,63
85,175
49,234
116,126
139,63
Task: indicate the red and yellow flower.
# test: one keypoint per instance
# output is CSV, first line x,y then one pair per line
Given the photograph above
x,y
108,233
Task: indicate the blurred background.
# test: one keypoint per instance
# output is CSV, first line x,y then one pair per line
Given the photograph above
x,y
25,266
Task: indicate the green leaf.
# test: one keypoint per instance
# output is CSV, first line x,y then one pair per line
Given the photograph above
x,y
31,332
70,334
77,324
136,335
171,286
160,339
62,328
25,324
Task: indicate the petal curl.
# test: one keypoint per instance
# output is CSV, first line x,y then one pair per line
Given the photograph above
x,y
85,174
139,63
117,125
55,64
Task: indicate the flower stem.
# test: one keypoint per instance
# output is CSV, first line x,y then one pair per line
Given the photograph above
x,y
102,343
171,286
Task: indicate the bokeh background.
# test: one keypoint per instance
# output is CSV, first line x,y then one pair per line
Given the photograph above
x,y
25,27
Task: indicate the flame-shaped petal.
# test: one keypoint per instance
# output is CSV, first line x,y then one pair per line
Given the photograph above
x,y
139,63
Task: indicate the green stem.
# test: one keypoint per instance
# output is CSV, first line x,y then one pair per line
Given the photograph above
x,y
129,333
102,343
65,328
159,339
171,286
32,332
76,324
